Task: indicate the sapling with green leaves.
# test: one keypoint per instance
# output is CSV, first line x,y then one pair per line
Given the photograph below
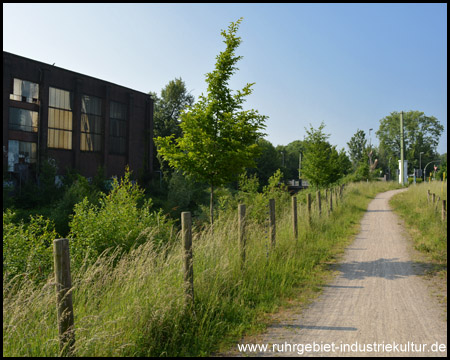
x,y
219,138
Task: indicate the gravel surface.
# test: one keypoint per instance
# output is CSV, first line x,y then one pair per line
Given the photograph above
x,y
377,305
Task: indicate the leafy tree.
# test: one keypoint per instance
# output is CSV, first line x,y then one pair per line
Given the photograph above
x,y
167,108
345,164
293,151
421,134
267,162
219,137
290,158
321,165
357,148
442,167
174,98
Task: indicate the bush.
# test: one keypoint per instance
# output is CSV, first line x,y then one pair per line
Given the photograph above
x,y
75,193
27,248
121,220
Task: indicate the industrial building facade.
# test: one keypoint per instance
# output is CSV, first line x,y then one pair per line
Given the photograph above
x,y
75,120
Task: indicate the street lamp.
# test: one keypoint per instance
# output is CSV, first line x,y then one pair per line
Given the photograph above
x,y
420,161
425,170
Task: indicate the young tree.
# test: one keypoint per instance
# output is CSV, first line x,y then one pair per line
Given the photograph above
x,y
321,164
218,139
357,148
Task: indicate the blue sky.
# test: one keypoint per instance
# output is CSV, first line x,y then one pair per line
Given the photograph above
x,y
347,65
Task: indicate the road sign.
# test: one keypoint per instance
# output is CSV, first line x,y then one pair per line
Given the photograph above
x,y
435,167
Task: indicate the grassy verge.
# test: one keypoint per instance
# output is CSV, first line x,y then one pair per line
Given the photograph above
x,y
425,225
135,308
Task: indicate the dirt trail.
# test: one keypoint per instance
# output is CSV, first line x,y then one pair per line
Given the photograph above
x,y
376,305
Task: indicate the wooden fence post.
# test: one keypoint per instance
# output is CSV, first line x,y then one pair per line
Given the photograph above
x,y
331,204
241,215
444,209
434,198
319,203
294,217
272,227
308,202
61,258
428,196
188,269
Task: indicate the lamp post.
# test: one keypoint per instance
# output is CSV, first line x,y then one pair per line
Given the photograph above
x,y
425,170
420,161
402,158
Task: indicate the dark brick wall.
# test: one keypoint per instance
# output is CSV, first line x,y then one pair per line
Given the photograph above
x,y
139,153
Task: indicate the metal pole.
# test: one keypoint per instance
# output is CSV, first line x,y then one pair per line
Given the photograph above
x,y
402,156
420,161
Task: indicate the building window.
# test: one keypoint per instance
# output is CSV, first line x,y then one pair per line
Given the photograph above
x,y
117,128
23,120
25,91
21,152
60,119
91,123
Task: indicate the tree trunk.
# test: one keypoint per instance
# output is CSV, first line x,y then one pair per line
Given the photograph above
x,y
211,205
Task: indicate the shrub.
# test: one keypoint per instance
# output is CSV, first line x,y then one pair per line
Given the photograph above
x,y
27,248
121,220
75,193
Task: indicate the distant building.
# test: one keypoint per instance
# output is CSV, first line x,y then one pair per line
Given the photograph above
x,y
78,121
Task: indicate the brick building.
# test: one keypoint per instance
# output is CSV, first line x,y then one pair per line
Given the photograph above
x,y
79,121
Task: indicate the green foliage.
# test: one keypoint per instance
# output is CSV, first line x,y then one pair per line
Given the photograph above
x,y
168,107
357,148
121,221
219,137
427,229
267,162
442,168
75,193
27,248
321,164
184,194
345,164
421,134
133,305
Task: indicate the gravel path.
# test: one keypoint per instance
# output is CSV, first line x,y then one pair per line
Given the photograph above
x,y
377,305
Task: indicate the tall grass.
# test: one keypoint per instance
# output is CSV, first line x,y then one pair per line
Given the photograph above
x,y
429,232
133,305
